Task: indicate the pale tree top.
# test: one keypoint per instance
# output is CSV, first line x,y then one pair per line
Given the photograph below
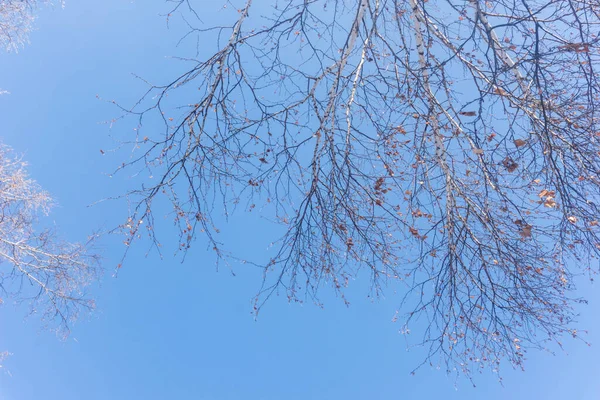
x,y
16,21
36,266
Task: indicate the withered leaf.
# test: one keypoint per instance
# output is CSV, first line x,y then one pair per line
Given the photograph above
x,y
546,192
550,203
400,129
417,213
576,47
520,142
510,164
468,113
526,231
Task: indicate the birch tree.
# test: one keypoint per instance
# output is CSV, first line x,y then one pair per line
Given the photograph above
x,y
448,148
37,268
16,22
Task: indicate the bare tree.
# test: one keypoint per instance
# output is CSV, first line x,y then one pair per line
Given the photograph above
x,y
16,21
451,146
36,267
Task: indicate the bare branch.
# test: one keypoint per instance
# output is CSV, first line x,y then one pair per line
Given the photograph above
x,y
35,266
449,146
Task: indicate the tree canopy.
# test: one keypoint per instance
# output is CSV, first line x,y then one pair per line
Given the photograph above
x,y
450,147
16,22
37,267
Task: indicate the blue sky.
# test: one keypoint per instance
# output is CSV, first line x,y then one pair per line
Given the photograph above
x,y
167,330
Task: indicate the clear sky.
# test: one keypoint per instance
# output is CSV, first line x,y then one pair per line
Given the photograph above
x,y
167,330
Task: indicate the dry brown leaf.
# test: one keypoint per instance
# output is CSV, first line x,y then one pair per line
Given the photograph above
x,y
414,232
400,129
510,164
550,203
520,142
526,231
545,193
